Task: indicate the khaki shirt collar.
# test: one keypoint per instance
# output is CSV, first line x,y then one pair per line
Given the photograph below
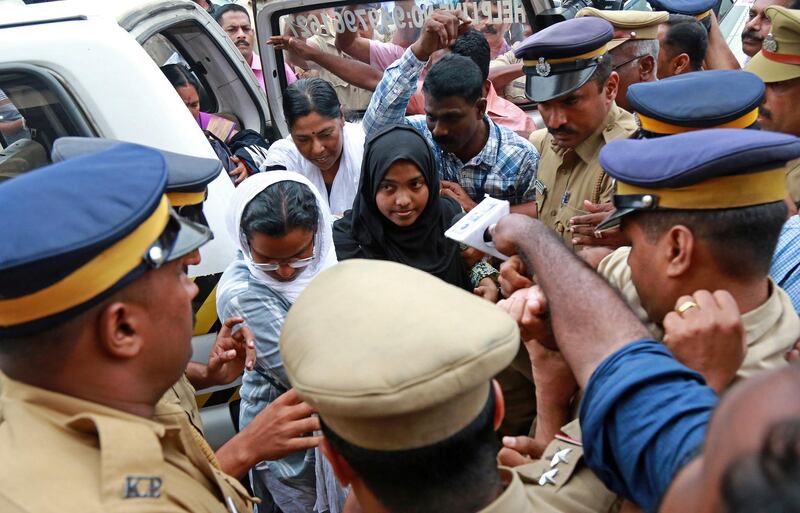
x,y
513,497
72,412
758,321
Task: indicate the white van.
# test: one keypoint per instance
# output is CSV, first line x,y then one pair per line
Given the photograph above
x,y
91,68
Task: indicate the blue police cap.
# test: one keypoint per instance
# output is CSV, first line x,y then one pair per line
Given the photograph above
x,y
187,177
561,58
700,9
720,168
82,229
701,99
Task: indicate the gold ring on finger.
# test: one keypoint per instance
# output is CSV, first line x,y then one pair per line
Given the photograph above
x,y
687,305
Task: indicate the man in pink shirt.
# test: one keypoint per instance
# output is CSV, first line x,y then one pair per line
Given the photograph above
x,y
235,21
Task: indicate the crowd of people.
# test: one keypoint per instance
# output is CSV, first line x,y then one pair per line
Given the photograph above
x,y
634,351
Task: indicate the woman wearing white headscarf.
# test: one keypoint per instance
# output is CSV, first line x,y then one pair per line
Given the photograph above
x,y
282,228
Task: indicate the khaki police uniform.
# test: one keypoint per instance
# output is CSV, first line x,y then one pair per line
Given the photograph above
x,y
793,179
110,460
568,177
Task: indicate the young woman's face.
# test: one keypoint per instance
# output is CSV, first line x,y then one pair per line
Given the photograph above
x,y
319,139
190,98
402,194
297,244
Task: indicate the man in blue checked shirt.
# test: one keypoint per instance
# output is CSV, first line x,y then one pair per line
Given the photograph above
x,y
475,156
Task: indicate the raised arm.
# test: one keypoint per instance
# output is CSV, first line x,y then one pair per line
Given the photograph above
x,y
350,70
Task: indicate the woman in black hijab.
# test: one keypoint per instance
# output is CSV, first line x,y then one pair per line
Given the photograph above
x,y
398,214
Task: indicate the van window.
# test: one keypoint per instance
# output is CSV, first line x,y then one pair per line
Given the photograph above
x,y
35,110
377,33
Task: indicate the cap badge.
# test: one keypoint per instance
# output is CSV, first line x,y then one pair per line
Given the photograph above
x,y
543,68
770,44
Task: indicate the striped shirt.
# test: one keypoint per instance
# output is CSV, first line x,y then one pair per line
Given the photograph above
x,y
786,260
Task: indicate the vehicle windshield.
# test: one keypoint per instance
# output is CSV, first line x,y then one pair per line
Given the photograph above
x,y
378,33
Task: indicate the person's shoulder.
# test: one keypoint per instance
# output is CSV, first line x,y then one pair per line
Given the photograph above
x,y
622,125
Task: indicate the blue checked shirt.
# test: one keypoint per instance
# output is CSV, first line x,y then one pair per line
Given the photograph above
x,y
786,260
504,169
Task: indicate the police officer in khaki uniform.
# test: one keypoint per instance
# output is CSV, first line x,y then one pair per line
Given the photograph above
x,y
96,322
714,214
570,76
400,370
634,49
778,64
280,428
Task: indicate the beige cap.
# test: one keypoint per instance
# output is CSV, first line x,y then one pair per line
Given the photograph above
x,y
629,25
779,58
391,357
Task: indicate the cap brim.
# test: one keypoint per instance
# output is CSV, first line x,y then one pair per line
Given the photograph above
x,y
771,71
541,89
191,236
617,42
613,220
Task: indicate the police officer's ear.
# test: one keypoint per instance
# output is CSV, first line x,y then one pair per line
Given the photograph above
x,y
343,471
121,324
680,64
611,87
647,68
678,246
499,405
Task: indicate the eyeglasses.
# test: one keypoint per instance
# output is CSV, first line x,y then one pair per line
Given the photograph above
x,y
615,68
295,263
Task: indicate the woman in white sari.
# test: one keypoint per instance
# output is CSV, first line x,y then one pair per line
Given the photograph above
x,y
321,145
282,229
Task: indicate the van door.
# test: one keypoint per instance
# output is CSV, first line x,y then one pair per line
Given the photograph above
x,y
182,32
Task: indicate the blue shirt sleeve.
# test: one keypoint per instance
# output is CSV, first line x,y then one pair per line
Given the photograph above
x,y
643,417
394,91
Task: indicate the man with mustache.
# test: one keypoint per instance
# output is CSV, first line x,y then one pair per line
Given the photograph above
x,y
758,24
569,74
235,21
474,155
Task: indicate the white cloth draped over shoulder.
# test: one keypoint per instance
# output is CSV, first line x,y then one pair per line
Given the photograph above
x,y
345,185
325,256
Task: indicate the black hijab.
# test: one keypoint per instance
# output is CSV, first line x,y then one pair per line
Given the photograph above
x,y
364,232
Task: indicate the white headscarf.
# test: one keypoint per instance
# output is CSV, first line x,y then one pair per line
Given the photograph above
x,y
324,254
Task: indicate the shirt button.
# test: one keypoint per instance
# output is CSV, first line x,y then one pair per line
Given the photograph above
x,y
553,213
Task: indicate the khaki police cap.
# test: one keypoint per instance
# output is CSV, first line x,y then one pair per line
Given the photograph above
x,y
629,25
391,357
779,58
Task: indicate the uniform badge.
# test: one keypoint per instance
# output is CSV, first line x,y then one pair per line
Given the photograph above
x,y
770,44
543,68
139,487
560,457
548,477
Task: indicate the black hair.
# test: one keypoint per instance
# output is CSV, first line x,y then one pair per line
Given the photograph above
x,y
741,240
602,72
687,35
180,76
456,474
766,481
220,11
472,44
454,75
309,95
279,209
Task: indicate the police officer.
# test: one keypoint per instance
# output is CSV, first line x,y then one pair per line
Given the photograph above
x,y
682,103
403,386
569,73
778,64
278,430
683,212
634,49
96,323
